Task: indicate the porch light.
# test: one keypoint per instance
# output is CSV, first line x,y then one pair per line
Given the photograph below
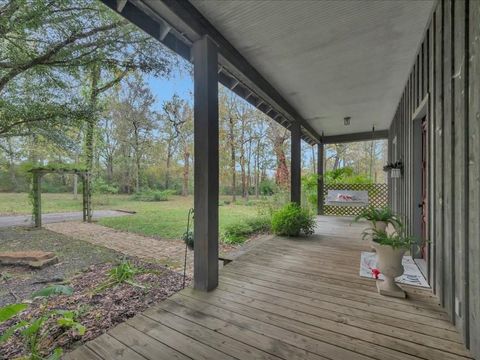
x,y
346,120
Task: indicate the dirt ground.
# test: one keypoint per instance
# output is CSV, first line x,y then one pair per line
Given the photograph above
x,y
17,283
85,267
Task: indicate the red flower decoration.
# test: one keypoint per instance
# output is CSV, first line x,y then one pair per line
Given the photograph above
x,y
375,273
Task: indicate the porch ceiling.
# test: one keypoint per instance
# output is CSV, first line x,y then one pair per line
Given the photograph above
x,y
329,59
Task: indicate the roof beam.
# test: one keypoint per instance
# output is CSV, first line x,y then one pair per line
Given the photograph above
x,y
361,136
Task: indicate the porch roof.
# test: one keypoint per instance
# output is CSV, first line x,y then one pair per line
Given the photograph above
x,y
313,63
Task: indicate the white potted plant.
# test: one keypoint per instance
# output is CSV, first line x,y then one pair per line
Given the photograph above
x,y
390,248
379,219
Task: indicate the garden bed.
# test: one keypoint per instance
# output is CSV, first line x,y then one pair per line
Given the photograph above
x,y
97,302
98,306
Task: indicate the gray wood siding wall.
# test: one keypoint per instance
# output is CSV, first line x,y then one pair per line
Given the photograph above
x,y
446,72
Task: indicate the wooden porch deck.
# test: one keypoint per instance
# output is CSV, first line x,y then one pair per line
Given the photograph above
x,y
288,299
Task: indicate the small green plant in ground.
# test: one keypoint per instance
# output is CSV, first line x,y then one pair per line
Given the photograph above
x,y
292,220
122,273
35,330
385,214
238,232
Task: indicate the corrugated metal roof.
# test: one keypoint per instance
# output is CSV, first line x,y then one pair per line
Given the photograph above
x,y
329,59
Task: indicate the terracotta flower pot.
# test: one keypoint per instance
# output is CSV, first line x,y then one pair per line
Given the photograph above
x,y
390,265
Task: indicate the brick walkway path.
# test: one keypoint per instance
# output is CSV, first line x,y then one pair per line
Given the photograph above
x,y
168,252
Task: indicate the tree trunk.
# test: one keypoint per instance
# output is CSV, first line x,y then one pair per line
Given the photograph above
x,y
242,160
91,122
249,171
186,170
232,160
169,159
282,173
257,170
138,158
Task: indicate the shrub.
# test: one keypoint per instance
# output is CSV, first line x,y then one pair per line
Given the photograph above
x,y
100,186
237,233
267,187
260,224
291,220
153,195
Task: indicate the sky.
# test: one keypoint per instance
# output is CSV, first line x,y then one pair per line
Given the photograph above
x,y
180,83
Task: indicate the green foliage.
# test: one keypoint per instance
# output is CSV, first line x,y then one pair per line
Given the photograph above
x,y
53,290
291,220
309,187
385,214
238,232
260,224
34,330
345,175
188,239
68,321
396,240
153,195
9,311
100,186
267,187
122,273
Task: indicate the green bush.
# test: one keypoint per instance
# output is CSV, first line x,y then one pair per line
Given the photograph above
x,y
267,187
153,195
260,224
291,220
100,186
237,233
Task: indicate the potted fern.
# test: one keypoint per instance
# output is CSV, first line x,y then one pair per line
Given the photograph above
x,y
379,217
390,248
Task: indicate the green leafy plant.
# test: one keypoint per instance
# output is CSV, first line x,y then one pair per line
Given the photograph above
x,y
153,195
122,273
53,290
68,321
291,220
345,175
374,215
187,237
395,239
260,224
35,330
238,232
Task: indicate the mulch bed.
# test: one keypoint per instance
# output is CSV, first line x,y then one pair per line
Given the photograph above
x,y
98,310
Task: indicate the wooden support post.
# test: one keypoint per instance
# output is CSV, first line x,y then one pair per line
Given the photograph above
x,y
320,183
37,199
295,164
206,164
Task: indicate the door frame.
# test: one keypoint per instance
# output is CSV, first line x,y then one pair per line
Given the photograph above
x,y
421,114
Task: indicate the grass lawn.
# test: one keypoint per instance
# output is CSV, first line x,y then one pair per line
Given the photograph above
x,y
164,219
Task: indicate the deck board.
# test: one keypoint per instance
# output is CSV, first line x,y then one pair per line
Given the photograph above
x,y
289,299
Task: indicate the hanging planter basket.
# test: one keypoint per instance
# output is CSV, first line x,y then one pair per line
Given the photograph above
x,y
395,169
